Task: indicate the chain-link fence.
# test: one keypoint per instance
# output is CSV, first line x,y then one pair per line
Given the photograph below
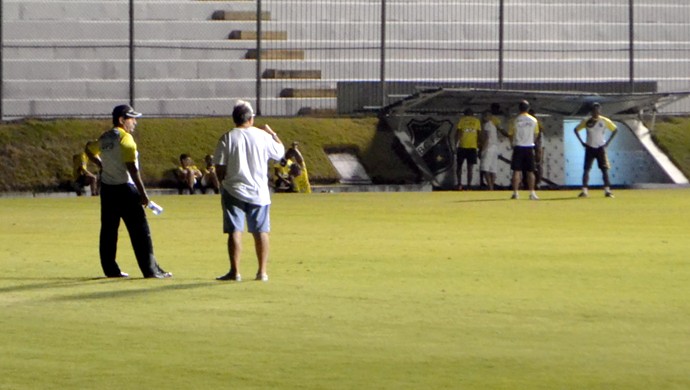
x,y
291,57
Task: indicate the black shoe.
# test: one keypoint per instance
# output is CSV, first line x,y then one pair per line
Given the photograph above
x,y
232,275
160,275
120,275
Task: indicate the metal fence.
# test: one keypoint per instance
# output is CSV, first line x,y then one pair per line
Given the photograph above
x,y
291,57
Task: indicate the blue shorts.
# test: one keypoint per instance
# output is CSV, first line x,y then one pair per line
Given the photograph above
x,y
235,212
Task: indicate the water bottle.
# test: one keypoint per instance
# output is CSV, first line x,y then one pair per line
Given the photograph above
x,y
155,208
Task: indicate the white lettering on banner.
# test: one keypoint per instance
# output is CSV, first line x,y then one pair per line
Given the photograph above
x,y
436,137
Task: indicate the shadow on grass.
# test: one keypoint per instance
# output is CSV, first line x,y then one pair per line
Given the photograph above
x,y
167,286
37,284
507,199
42,283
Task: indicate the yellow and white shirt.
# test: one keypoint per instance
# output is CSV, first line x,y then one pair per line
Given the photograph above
x,y
115,147
596,133
524,129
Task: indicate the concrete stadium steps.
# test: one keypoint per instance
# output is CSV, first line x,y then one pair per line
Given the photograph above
x,y
119,69
115,10
182,54
477,11
327,51
154,69
68,30
265,35
173,88
239,15
165,107
310,72
158,30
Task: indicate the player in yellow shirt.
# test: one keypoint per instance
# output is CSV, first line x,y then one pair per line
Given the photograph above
x,y
82,176
210,178
595,147
300,181
468,131
123,195
281,171
188,174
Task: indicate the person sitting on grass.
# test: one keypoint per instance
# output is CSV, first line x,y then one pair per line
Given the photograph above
x,y
210,178
188,175
283,180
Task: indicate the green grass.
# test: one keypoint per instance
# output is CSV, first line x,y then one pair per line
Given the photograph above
x,y
673,136
368,290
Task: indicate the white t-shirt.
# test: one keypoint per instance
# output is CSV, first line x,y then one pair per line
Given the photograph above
x,y
245,152
491,134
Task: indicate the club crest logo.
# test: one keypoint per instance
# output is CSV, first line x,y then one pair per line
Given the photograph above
x,y
433,147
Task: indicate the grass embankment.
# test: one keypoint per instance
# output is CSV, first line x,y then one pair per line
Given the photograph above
x,y
673,137
36,155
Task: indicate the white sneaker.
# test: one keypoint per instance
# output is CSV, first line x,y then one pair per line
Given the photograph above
x,y
262,277
533,197
583,195
609,194
515,196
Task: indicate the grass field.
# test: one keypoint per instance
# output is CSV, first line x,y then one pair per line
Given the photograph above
x,y
442,290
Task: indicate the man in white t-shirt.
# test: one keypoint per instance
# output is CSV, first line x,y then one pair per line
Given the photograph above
x,y
488,163
241,159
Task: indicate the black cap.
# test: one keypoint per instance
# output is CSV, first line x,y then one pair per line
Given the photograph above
x,y
125,110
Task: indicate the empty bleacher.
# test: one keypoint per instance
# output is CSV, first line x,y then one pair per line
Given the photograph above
x,y
194,57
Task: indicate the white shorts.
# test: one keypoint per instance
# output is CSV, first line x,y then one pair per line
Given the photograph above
x,y
488,162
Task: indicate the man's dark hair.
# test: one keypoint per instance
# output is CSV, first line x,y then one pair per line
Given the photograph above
x,y
183,156
523,106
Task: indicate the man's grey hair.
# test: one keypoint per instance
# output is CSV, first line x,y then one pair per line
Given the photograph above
x,y
242,112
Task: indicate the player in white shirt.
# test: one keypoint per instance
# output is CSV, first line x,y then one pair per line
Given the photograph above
x,y
488,163
241,159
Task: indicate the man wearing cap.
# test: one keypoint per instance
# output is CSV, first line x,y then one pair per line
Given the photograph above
x,y
241,158
123,195
595,147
